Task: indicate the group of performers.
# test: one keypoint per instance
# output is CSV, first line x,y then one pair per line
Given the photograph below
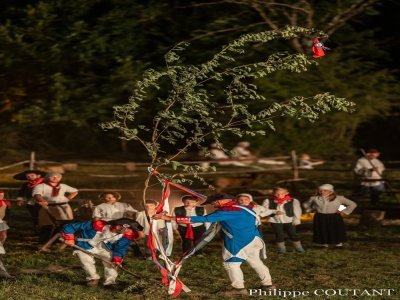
x,y
116,225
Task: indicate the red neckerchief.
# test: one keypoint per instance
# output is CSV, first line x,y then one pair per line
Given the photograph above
x,y
229,206
283,200
55,189
32,184
6,202
189,230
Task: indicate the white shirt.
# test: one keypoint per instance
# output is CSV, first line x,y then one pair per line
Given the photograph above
x,y
240,152
45,191
108,212
191,212
363,168
141,218
295,220
324,206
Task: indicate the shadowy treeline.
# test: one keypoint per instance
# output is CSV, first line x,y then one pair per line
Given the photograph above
x,y
64,64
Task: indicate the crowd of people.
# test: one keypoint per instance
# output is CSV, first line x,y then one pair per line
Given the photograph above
x,y
116,226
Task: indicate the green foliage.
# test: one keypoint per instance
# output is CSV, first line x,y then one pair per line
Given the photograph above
x,y
192,111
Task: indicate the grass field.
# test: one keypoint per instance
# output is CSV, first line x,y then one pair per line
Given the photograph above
x,y
369,261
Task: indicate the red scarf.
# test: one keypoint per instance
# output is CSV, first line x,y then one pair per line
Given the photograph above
x,y
6,202
56,189
283,200
189,232
32,184
229,206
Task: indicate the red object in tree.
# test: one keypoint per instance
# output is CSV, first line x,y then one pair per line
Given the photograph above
x,y
318,48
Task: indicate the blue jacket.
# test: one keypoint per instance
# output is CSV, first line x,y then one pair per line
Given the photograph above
x,y
238,230
89,229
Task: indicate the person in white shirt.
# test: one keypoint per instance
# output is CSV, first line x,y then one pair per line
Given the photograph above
x,y
144,217
53,197
286,216
112,209
217,153
328,223
190,233
241,152
369,168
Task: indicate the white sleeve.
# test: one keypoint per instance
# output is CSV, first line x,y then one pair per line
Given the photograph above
x,y
130,208
308,204
38,190
296,212
70,189
360,168
350,205
97,212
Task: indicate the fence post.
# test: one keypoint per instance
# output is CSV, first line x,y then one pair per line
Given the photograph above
x,y
32,161
295,167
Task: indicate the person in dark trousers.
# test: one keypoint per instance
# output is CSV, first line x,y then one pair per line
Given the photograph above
x,y
190,233
286,216
32,178
369,169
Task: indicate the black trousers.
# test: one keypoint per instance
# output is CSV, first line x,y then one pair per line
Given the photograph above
x,y
188,244
280,229
34,212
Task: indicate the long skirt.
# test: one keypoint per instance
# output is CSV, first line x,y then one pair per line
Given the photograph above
x,y
329,229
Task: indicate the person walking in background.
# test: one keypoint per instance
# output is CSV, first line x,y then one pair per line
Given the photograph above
x,y
328,225
369,169
305,162
190,233
286,216
53,197
241,152
32,178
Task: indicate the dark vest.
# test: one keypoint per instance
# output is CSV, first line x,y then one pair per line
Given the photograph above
x,y
180,211
288,207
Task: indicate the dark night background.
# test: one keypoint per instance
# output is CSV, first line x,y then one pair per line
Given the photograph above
x,y
64,64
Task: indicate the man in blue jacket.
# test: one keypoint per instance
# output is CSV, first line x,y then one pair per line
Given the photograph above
x,y
242,240
109,240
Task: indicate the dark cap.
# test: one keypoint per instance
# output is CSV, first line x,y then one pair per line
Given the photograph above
x,y
372,151
216,197
126,222
22,175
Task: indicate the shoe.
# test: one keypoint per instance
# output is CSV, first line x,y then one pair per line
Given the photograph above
x,y
92,282
300,250
280,250
236,292
269,287
45,250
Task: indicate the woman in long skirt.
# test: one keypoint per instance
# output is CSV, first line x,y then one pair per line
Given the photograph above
x,y
328,224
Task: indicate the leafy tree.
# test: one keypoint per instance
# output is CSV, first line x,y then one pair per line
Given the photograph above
x,y
189,110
